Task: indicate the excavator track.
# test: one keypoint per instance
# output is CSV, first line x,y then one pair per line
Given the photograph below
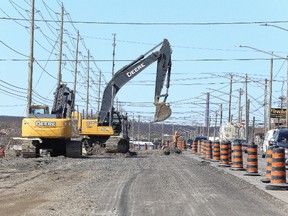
x,y
28,149
117,144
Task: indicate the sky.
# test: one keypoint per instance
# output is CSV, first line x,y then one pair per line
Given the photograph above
x,y
205,37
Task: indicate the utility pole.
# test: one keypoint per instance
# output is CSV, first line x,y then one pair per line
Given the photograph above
x,y
239,106
206,126
215,126
247,108
76,68
253,130
113,54
221,115
138,133
270,94
87,84
30,65
230,95
247,120
286,95
99,90
60,50
265,106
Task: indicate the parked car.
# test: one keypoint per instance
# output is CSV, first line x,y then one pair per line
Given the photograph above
x,y
267,141
189,143
197,138
243,142
280,139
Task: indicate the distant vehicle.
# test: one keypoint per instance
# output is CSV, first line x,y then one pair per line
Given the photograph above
x,y
267,140
280,139
197,138
243,142
189,143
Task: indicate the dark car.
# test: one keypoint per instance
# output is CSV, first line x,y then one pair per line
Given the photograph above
x,y
189,143
280,139
197,138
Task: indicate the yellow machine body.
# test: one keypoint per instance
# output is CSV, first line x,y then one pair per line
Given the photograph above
x,y
46,128
91,127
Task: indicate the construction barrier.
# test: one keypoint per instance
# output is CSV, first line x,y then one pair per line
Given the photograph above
x,y
224,154
216,151
237,157
203,149
199,147
268,165
252,160
208,150
194,148
2,152
230,152
278,171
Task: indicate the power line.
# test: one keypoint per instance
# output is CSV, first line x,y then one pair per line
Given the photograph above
x,y
155,23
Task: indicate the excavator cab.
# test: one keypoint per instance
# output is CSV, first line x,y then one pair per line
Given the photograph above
x,y
39,109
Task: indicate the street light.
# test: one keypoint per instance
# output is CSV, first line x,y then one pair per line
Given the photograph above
x,y
272,54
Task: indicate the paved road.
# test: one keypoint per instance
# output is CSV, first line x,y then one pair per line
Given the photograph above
x,y
149,184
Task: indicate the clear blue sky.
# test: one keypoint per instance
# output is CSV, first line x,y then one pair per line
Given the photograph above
x,y
212,31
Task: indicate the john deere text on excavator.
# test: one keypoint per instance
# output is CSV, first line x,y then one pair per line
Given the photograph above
x,y
110,128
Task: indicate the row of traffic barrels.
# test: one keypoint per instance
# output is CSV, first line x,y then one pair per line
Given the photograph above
x,y
228,157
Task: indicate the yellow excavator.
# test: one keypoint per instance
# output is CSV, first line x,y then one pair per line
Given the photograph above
x,y
110,129
54,132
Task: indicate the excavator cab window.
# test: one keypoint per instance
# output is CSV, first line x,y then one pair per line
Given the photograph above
x,y
39,110
116,122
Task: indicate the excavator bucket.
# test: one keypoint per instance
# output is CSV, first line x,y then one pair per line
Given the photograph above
x,y
163,112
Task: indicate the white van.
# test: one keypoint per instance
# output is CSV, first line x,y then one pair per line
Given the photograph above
x,y
267,140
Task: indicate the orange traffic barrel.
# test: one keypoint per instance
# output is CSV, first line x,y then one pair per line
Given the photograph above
x,y
237,157
224,154
2,152
278,171
203,149
230,152
194,148
252,160
199,147
216,151
208,150
268,165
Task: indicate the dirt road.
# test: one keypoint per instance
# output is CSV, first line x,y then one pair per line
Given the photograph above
x,y
148,184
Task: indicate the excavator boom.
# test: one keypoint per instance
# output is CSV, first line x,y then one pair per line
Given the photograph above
x,y
163,58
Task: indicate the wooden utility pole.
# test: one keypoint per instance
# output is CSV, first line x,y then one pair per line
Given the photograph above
x,y
113,54
247,109
75,69
30,65
99,91
215,126
247,120
230,97
60,50
239,107
265,106
287,95
87,84
270,94
253,130
221,116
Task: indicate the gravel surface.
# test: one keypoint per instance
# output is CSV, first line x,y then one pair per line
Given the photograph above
x,y
147,184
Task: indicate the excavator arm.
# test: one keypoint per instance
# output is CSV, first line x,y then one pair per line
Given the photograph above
x,y
128,72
